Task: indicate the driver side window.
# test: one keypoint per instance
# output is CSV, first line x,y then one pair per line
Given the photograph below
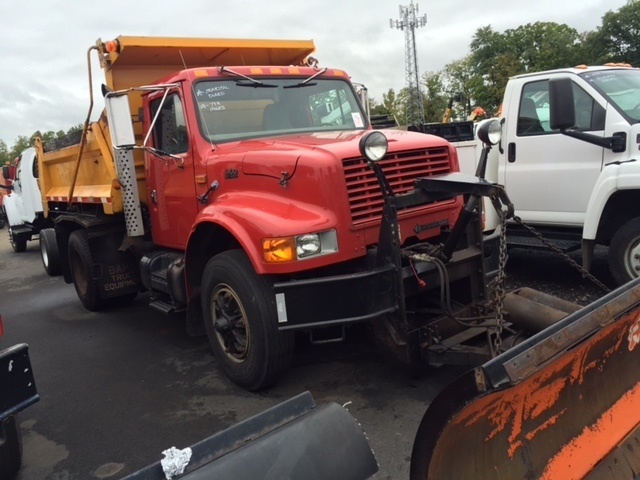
x,y
533,114
170,129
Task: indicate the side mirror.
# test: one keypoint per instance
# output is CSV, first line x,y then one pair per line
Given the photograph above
x,y
119,118
562,112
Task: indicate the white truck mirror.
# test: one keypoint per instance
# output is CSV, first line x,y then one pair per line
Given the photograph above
x,y
119,118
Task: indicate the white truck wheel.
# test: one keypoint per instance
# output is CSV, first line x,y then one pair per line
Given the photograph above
x,y
624,252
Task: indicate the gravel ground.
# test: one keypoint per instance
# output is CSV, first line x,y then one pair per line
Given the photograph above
x,y
550,273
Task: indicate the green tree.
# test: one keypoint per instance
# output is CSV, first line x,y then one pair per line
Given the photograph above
x,y
618,39
394,104
4,153
529,48
73,129
19,145
434,96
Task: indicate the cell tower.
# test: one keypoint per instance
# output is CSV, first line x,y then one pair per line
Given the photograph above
x,y
409,22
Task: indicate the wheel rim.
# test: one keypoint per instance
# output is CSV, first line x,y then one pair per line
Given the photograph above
x,y
230,323
632,258
79,277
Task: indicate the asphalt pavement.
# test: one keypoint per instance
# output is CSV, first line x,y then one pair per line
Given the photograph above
x,y
119,387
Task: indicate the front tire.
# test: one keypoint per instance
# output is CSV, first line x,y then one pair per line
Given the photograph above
x,y
18,244
241,322
81,265
49,252
624,252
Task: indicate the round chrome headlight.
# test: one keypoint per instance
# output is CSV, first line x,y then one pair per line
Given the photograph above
x,y
490,132
374,146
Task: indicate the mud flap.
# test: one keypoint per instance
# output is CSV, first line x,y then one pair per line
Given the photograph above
x,y
294,440
562,405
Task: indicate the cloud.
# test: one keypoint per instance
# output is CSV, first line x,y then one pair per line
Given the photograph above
x,y
44,86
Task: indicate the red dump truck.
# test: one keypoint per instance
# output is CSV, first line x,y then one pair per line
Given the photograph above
x,y
232,179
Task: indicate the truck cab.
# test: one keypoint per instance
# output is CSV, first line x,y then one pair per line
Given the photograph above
x,y
577,185
23,205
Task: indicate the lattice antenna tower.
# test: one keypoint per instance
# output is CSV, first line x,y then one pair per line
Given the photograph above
x,y
408,22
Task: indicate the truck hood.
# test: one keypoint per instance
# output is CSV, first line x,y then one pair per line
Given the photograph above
x,y
274,155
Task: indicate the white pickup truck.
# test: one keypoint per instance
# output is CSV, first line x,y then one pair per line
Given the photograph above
x,y
577,184
23,209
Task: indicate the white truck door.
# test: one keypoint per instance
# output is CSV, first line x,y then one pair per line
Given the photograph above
x,y
549,176
30,188
26,192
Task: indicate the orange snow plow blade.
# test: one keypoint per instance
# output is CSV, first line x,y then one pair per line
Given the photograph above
x,y
564,404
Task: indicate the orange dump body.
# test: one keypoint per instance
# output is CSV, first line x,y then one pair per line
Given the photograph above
x,y
565,404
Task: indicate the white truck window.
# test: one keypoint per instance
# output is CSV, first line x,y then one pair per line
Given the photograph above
x,y
533,116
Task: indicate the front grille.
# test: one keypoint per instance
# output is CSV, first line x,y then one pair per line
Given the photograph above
x,y
401,169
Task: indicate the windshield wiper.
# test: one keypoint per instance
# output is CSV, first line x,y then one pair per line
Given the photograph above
x,y
253,81
305,83
240,83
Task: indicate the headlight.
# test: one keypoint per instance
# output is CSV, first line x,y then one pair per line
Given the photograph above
x,y
300,247
307,245
373,146
490,132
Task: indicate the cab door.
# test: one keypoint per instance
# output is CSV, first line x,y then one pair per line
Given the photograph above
x,y
549,177
170,179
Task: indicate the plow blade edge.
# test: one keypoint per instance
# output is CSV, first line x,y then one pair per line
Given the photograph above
x,y
565,404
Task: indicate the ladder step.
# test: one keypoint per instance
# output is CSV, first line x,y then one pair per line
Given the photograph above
x,y
163,307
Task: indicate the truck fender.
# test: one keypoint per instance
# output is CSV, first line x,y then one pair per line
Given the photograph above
x,y
12,210
613,178
250,218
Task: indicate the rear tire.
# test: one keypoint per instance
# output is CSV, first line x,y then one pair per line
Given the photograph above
x,y
10,449
240,318
81,265
18,244
49,252
624,252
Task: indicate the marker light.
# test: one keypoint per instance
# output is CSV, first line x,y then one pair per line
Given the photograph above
x,y
112,46
278,250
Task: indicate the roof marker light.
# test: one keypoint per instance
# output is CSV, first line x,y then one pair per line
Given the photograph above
x,y
112,46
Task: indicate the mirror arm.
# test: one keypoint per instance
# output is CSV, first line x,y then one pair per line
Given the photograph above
x,y
616,143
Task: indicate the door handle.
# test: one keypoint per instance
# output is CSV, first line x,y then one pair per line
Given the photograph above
x,y
511,154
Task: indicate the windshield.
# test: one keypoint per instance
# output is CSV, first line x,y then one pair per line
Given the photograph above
x,y
234,109
621,87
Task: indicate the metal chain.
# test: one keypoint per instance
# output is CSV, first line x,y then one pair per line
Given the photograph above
x,y
566,257
496,289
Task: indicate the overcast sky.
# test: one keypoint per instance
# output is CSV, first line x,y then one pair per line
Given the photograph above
x,y
43,72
